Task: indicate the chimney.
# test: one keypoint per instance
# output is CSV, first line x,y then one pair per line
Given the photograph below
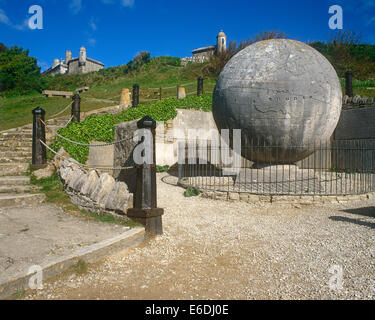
x,y
68,56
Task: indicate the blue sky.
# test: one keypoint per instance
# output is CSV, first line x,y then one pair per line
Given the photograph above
x,y
113,31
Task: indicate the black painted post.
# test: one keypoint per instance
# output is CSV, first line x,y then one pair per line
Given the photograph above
x,y
349,84
76,108
145,209
135,96
200,86
39,154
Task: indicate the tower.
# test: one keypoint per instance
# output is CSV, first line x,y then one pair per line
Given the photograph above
x,y
221,45
55,62
68,56
82,56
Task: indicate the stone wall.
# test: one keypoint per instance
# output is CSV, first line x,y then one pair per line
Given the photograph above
x,y
356,124
89,66
92,191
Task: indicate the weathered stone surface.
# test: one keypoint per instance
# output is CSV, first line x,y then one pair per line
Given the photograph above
x,y
44,173
73,183
234,196
90,183
60,157
125,100
104,186
181,93
123,154
119,191
280,90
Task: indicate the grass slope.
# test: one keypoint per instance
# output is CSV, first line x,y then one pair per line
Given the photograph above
x,y
16,111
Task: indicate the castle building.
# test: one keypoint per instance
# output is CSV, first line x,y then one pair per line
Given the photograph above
x,y
203,54
70,65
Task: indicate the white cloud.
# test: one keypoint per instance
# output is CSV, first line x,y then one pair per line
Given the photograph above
x,y
92,24
4,18
75,6
127,3
123,3
91,42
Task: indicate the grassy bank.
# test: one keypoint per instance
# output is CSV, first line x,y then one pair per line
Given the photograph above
x,y
16,111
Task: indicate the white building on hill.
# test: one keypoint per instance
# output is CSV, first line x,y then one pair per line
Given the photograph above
x,y
79,65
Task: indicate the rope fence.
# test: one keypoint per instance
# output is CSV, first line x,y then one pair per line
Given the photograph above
x,y
62,111
81,164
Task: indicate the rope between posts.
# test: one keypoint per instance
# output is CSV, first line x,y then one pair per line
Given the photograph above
x,y
93,145
70,120
89,145
187,84
81,164
62,111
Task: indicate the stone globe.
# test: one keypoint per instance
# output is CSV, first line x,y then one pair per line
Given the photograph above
x,y
280,93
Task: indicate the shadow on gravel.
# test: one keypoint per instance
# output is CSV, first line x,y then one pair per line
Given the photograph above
x,y
367,212
355,221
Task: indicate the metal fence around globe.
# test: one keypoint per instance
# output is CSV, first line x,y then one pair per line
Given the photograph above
x,y
333,168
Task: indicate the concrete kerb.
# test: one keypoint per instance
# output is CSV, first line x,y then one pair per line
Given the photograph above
x,y
89,254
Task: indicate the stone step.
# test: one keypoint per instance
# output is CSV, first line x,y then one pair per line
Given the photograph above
x,y
16,143
14,159
14,180
16,169
27,149
15,153
16,135
20,200
17,189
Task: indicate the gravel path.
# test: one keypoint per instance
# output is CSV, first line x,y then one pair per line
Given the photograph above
x,y
222,250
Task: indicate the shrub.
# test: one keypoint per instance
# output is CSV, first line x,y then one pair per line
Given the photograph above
x,y
102,127
192,192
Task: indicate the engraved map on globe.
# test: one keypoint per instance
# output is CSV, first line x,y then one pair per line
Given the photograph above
x,y
279,90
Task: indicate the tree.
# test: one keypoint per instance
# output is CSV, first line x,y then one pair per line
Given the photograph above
x,y
344,51
3,47
218,61
19,73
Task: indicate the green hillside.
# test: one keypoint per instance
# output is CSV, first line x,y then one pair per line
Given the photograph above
x,y
105,88
21,87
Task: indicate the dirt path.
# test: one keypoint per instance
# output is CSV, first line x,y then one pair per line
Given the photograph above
x,y
222,250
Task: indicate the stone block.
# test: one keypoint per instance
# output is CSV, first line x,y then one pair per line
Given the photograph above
x,y
116,196
181,93
44,173
90,183
125,100
234,196
103,188
253,198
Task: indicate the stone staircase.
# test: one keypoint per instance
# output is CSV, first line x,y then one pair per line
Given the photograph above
x,y
15,158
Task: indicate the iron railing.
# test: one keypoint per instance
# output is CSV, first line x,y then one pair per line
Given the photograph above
x,y
328,168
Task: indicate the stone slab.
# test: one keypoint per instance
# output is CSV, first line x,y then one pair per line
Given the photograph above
x,y
54,240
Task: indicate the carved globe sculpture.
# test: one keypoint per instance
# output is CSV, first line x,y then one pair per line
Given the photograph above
x,y
278,92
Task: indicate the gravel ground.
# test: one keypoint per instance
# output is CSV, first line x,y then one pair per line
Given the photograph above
x,y
222,250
